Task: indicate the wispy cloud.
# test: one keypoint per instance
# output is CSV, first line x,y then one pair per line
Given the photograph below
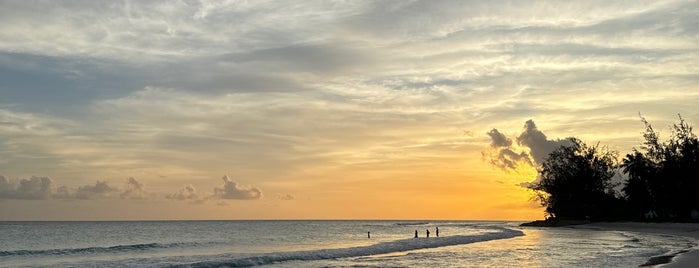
x,y
277,90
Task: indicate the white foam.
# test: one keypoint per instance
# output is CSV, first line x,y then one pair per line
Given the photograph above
x,y
376,249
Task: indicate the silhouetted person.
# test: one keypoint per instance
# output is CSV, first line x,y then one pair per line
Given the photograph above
x,y
428,233
415,233
368,234
436,231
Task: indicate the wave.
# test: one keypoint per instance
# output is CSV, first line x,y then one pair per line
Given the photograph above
x,y
71,251
412,223
376,249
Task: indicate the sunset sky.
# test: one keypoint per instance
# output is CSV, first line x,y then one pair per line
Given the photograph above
x,y
128,110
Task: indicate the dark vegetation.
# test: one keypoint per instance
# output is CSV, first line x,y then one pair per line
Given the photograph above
x,y
662,180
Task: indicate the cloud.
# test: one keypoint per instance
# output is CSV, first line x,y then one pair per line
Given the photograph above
x,y
188,192
283,61
498,139
321,59
285,197
170,88
231,190
502,155
40,188
134,190
100,189
533,148
32,188
539,146
43,188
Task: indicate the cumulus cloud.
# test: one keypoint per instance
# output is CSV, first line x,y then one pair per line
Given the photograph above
x,y
231,190
188,192
532,148
539,146
100,189
502,155
32,188
43,188
134,190
40,188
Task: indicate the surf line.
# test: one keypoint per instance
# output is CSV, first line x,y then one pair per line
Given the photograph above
x,y
375,249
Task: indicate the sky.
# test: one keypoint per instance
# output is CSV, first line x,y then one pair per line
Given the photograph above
x,y
178,110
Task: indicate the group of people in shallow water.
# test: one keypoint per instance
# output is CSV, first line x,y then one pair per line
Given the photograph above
x,y
427,232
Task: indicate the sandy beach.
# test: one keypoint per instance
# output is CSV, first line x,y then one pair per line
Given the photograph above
x,y
682,260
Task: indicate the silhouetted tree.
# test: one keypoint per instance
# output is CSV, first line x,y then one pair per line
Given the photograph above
x,y
575,182
664,177
641,172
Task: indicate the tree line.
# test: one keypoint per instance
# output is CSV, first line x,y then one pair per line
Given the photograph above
x,y
661,179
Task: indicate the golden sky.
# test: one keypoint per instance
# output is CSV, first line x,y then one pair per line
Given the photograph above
x,y
323,109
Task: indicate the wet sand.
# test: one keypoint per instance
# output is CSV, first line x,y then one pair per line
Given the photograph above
x,y
682,260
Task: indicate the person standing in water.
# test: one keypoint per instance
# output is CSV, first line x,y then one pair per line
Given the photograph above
x,y
428,233
436,231
368,234
415,233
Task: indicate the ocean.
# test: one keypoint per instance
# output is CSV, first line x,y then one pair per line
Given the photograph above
x,y
311,243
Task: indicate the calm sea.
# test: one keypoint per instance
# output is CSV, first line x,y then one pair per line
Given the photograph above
x,y
322,244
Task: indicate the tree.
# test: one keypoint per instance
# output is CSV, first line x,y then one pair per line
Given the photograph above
x,y
664,177
643,189
641,173
681,167
575,182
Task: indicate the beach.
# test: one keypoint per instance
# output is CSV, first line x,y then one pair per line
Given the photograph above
x,y
344,243
682,259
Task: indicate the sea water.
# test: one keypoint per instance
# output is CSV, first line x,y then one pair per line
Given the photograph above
x,y
323,244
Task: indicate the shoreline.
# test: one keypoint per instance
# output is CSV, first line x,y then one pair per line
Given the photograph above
x,y
682,259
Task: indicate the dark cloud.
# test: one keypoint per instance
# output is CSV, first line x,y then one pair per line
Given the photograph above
x,y
231,190
321,59
32,188
535,147
501,154
62,84
498,139
539,146
216,80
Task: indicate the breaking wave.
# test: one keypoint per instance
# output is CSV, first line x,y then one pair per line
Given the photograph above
x,y
88,250
375,249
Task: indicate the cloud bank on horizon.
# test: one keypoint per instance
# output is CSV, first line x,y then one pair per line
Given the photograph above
x,y
290,93
43,188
